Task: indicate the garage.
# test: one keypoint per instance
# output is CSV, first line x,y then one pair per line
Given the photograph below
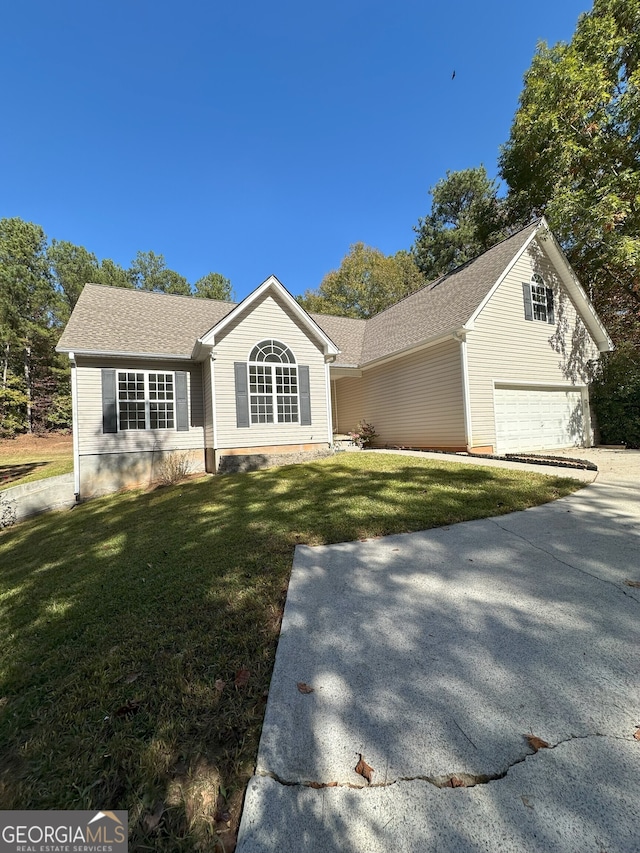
x,y
538,418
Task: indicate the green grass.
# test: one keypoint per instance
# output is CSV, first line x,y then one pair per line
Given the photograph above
x,y
26,459
156,599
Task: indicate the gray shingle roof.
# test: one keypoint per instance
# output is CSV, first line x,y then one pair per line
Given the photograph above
x,y
118,320
442,306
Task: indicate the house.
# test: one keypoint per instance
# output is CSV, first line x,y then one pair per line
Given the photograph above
x,y
493,357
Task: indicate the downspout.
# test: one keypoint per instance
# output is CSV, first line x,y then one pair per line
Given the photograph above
x,y
461,337
214,425
75,425
327,381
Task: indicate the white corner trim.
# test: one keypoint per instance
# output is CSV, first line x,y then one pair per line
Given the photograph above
x,y
465,391
74,424
214,413
327,383
272,283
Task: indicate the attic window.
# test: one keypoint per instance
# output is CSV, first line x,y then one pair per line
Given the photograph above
x,y
538,300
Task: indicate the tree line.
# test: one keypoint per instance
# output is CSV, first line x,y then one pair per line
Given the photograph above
x,y
40,282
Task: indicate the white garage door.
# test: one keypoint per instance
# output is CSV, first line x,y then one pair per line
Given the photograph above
x,y
537,419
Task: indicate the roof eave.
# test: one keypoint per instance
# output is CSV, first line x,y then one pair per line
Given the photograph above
x,y
88,353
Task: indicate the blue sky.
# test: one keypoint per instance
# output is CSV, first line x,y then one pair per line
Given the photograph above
x,y
253,138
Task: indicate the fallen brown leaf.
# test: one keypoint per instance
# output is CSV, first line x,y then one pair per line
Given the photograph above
x,y
304,688
134,676
363,769
636,734
536,743
635,584
220,685
526,801
242,677
455,782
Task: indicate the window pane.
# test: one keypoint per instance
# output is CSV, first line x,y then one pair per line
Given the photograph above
x,y
539,302
132,416
161,415
261,409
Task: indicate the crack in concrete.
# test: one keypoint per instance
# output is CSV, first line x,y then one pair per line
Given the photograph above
x,y
564,562
464,780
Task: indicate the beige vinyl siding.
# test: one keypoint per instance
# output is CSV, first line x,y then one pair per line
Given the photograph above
x,y
414,400
90,436
267,319
506,348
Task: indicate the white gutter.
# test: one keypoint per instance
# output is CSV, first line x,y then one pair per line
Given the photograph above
x,y
74,425
91,353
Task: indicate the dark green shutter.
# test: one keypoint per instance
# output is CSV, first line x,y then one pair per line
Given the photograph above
x,y
182,406
242,394
109,410
526,295
550,314
305,395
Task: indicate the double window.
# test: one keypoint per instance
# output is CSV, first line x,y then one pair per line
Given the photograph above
x,y
145,400
273,384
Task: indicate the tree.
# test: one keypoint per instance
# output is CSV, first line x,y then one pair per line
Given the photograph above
x,y
28,321
574,155
72,267
366,283
150,272
214,286
113,274
466,219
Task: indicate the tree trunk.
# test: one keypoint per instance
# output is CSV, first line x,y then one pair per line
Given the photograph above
x,y
27,382
5,366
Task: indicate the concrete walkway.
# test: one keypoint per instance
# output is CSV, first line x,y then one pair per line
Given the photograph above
x,y
433,655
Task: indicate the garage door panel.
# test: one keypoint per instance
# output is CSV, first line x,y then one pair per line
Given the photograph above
x,y
537,418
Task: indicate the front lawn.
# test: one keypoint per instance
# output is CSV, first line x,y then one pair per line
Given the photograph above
x,y
34,457
138,631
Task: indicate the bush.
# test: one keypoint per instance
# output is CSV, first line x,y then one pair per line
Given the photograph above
x,y
174,468
364,434
615,394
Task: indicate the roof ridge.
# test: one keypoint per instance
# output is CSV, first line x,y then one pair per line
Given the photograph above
x,y
154,292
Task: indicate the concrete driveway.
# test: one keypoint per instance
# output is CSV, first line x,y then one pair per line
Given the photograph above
x,y
433,656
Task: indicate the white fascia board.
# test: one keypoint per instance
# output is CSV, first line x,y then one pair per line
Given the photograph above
x,y
575,289
340,372
471,321
90,353
271,283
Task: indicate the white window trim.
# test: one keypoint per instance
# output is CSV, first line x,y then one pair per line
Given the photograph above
x,y
147,400
274,389
538,281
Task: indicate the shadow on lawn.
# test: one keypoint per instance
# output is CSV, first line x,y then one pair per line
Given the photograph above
x,y
11,473
126,621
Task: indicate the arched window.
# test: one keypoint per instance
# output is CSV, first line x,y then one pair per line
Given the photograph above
x,y
273,384
538,300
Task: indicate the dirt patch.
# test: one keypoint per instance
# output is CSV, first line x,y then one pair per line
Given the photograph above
x,y
36,444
